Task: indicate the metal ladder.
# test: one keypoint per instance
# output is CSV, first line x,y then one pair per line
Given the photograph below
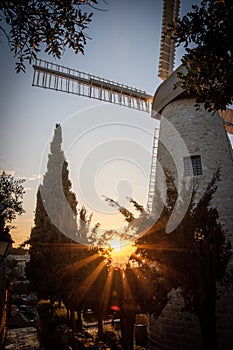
x,y
151,190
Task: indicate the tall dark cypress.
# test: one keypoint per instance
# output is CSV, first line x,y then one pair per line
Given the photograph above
x,y
55,221
58,199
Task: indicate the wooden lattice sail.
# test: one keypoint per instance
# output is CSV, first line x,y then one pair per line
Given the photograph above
x,y
167,46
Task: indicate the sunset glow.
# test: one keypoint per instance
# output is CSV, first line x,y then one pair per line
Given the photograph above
x,y
120,251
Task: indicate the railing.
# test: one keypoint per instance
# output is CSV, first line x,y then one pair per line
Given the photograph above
x,y
3,303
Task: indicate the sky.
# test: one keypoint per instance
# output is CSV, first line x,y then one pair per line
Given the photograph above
x,y
108,147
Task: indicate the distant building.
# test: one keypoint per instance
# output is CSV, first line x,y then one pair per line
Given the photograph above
x,y
21,260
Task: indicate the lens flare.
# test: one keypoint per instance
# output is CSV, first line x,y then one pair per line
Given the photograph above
x,y
120,251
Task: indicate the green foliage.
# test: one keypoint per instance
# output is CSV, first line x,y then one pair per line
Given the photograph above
x,y
11,195
194,256
150,288
51,313
185,245
84,223
137,206
55,219
82,281
45,310
129,217
61,268
111,339
59,318
136,224
206,33
51,26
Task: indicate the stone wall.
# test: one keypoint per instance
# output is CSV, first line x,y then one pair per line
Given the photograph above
x,y
175,328
203,134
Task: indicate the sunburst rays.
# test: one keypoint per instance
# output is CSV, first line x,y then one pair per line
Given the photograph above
x,y
94,274
79,292
127,292
107,290
75,266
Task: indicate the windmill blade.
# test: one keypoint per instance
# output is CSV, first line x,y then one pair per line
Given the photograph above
x,y
52,76
167,46
56,77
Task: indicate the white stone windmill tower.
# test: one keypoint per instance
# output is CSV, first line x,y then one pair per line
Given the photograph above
x,y
191,145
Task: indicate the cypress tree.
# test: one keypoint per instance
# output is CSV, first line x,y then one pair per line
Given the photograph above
x,y
58,199
55,227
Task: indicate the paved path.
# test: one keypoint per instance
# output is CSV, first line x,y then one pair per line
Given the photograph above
x,y
22,339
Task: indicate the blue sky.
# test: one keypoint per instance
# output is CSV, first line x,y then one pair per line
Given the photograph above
x,y
108,147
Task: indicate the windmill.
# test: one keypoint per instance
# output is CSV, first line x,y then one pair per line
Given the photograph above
x,y
206,141
60,78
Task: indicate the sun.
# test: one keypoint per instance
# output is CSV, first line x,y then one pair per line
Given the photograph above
x,y
115,243
120,251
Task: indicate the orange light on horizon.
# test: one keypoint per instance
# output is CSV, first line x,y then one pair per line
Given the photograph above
x,y
120,251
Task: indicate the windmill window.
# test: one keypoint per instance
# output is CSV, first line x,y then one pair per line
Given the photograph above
x,y
192,166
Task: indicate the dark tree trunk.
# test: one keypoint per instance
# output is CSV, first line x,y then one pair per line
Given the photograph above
x,y
100,329
68,316
59,303
72,320
127,330
207,319
79,323
205,296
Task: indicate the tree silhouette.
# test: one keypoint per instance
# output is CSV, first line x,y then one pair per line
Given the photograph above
x,y
50,26
11,199
55,222
199,244
209,62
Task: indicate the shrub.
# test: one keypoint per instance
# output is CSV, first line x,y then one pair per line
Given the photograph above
x,y
112,339
45,310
